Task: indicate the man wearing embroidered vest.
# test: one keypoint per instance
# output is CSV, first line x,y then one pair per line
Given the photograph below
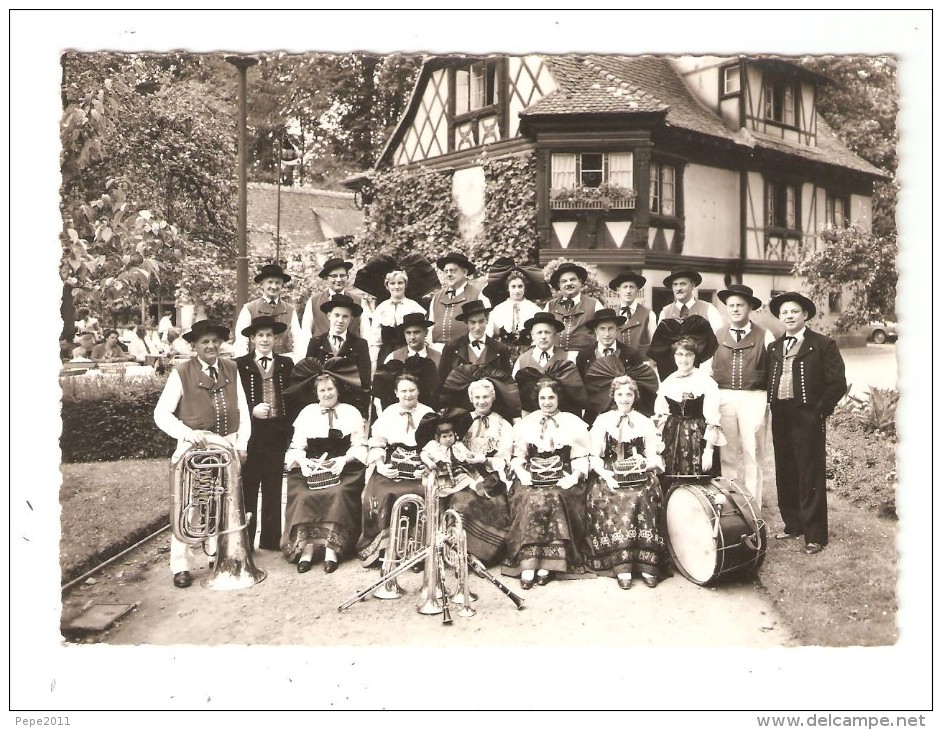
x,y
447,302
202,396
806,381
739,368
336,272
572,308
340,342
474,348
605,326
639,320
264,376
272,279
682,283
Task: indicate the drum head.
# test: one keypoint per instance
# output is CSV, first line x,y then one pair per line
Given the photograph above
x,y
690,534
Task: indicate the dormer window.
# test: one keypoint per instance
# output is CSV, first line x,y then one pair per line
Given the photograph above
x,y
592,169
780,100
732,84
475,86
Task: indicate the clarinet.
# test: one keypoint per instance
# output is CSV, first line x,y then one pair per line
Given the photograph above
x,y
479,570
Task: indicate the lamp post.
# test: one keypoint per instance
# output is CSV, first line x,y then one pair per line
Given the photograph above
x,y
243,63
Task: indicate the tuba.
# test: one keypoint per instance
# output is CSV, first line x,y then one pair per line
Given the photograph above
x,y
206,504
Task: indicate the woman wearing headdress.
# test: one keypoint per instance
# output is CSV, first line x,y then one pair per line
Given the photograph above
x,y
398,469
514,289
326,463
624,500
547,503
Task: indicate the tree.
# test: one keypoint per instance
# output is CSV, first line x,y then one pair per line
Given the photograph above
x,y
855,262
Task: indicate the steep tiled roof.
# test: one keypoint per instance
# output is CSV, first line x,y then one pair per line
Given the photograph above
x,y
305,212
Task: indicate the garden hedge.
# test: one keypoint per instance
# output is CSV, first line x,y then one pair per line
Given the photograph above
x,y
117,427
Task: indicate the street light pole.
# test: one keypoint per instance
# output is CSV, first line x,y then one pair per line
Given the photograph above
x,y
243,63
278,209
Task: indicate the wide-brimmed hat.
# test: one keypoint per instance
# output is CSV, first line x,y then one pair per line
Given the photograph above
x,y
459,418
605,315
624,276
456,258
775,304
566,267
342,300
414,319
683,273
205,326
263,321
468,309
271,270
334,263
543,318
740,290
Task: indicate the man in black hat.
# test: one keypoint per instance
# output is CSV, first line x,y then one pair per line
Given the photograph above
x,y
682,282
202,396
339,341
265,375
336,272
806,381
272,280
605,325
640,321
572,307
474,348
414,330
455,293
739,368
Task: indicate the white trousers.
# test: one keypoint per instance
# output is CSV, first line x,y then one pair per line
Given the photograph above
x,y
743,416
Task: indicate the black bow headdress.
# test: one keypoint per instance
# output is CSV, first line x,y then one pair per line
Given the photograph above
x,y
371,278
565,373
536,287
670,330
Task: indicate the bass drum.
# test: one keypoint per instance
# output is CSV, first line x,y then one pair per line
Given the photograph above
x,y
713,531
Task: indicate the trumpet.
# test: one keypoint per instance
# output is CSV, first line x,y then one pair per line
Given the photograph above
x,y
206,503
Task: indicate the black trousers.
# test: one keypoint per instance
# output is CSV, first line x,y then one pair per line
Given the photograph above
x,y
263,472
798,437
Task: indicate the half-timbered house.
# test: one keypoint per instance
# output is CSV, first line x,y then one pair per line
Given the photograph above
x,y
721,164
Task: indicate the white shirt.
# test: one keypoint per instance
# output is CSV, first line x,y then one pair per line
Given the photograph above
x,y
536,353
240,346
575,302
313,423
167,421
259,356
502,316
409,353
799,337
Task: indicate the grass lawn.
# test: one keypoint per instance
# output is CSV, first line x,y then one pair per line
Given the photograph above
x,y
845,595
107,506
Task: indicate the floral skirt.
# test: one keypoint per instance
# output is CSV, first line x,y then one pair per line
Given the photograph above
x,y
622,528
683,445
328,518
547,529
379,497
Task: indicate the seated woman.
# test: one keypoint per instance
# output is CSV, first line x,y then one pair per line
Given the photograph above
x,y
110,350
547,504
398,469
326,460
177,346
483,508
624,501
687,411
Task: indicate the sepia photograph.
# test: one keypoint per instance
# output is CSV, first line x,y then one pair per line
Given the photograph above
x,y
382,354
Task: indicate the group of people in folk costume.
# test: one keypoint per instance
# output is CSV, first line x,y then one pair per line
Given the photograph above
x,y
553,430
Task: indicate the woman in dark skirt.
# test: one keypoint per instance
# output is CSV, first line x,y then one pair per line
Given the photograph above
x,y
398,469
624,501
687,411
547,505
326,460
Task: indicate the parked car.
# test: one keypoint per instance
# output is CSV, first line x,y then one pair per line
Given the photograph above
x,y
877,332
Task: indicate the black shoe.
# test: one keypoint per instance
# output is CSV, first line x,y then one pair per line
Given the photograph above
x,y
182,579
330,566
542,580
624,583
812,548
304,566
649,580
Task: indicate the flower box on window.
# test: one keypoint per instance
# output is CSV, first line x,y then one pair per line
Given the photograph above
x,y
604,197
